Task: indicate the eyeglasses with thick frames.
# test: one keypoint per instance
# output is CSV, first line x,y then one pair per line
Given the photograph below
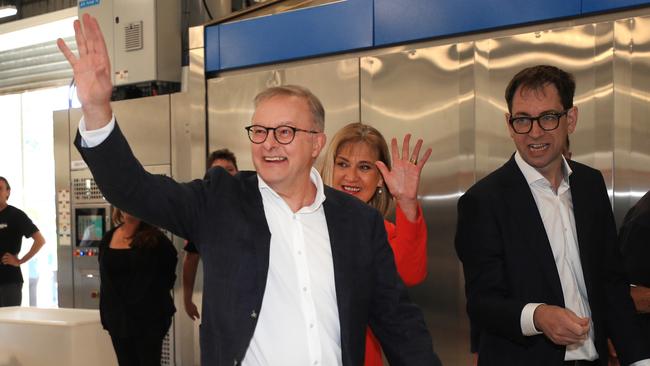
x,y
283,134
547,122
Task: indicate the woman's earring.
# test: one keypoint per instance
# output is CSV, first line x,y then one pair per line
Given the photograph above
x,y
380,190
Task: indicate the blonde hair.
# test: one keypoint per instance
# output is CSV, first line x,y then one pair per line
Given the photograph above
x,y
354,133
315,106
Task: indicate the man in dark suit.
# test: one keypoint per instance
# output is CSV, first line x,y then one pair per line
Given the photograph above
x,y
299,269
538,244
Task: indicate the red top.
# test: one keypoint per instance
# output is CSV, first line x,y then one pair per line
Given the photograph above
x,y
409,242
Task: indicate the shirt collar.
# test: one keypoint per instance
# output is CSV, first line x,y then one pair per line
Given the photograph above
x,y
315,178
533,176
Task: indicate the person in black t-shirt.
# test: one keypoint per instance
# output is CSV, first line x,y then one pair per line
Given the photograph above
x,y
223,158
14,224
137,267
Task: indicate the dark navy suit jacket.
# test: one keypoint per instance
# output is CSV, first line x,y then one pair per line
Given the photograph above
x,y
508,262
224,216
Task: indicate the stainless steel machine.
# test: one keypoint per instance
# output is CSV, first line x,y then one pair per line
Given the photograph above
x,y
448,92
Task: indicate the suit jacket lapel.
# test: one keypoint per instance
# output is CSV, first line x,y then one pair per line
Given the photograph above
x,y
338,227
581,212
261,236
530,225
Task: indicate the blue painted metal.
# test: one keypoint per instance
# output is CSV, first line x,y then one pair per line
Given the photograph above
x,y
591,6
330,28
405,20
350,25
211,39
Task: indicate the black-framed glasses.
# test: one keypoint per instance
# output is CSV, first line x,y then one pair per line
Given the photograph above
x,y
283,134
547,122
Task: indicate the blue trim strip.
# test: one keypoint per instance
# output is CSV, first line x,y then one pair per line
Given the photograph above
x,y
349,25
399,21
326,29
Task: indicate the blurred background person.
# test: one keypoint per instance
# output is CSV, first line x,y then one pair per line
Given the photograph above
x,y
634,240
357,162
223,158
137,265
14,224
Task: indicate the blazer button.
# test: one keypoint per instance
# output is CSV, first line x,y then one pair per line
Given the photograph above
x,y
254,314
235,363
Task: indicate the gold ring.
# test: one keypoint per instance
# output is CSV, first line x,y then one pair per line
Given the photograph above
x,y
413,161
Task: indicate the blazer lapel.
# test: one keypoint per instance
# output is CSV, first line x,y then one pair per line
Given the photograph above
x,y
261,236
582,208
338,227
530,225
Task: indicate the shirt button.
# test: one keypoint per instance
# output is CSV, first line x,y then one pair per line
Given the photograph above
x,y
311,325
254,314
304,289
315,362
300,252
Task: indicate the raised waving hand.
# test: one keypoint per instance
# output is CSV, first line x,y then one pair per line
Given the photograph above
x,y
403,179
92,71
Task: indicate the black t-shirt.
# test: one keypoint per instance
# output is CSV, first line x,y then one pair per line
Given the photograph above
x,y
14,224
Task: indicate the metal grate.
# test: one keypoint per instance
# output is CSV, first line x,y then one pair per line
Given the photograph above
x,y
133,36
85,189
167,354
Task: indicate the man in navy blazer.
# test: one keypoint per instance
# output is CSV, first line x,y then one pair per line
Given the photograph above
x,y
537,239
293,271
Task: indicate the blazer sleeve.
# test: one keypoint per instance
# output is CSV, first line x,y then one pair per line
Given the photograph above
x,y
634,241
394,319
479,245
409,243
156,199
621,323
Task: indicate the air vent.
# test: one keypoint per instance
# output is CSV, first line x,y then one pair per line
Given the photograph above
x,y
133,36
85,189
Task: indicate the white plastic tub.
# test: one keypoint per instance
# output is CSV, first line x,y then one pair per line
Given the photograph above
x,y
70,337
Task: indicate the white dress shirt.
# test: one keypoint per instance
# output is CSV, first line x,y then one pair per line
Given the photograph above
x,y
299,320
556,210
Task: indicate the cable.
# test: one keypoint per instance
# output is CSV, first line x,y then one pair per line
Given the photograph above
x,y
207,10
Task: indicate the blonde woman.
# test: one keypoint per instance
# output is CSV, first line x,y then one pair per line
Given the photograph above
x,y
357,162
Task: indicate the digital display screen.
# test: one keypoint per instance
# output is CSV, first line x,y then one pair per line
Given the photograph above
x,y
91,227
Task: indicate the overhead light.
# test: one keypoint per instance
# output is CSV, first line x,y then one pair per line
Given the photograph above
x,y
7,10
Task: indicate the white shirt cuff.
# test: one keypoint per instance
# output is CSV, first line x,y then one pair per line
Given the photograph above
x,y
645,362
95,137
527,322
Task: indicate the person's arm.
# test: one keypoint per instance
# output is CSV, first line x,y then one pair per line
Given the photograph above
x,y
10,259
190,264
408,239
641,297
397,323
479,246
620,318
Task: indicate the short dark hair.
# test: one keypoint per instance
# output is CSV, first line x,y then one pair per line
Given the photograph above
x,y
6,183
223,154
537,77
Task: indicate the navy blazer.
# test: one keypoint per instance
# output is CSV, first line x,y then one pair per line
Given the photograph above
x,y
508,262
225,217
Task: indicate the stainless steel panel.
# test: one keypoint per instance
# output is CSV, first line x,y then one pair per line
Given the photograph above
x,y
571,49
146,124
631,110
188,162
418,91
230,101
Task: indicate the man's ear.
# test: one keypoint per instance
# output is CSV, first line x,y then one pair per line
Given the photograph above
x,y
572,119
320,139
